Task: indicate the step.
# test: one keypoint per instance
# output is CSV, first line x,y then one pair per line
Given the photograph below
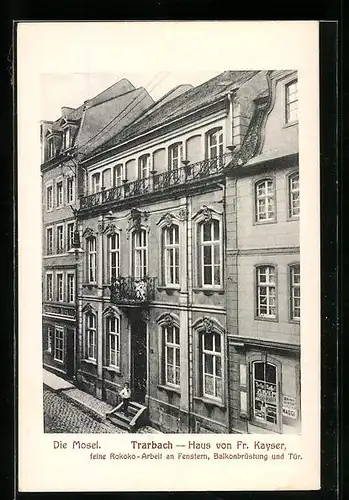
x,y
119,423
122,416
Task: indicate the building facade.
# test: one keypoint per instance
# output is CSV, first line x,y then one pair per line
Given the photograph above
x,y
188,279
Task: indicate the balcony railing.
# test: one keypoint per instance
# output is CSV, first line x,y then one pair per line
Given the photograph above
x,y
158,182
60,310
132,291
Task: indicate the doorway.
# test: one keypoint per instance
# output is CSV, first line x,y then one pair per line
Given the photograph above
x,y
138,360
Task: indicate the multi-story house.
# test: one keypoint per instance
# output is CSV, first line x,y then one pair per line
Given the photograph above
x,y
79,129
263,265
154,224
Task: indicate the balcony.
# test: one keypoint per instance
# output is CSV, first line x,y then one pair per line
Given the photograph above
x,y
66,311
157,183
130,291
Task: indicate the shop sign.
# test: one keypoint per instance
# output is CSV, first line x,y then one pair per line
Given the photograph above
x,y
289,407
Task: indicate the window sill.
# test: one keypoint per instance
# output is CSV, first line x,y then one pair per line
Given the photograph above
x,y
112,369
290,124
293,218
89,361
210,402
209,291
261,318
294,321
90,285
168,289
263,222
168,388
58,360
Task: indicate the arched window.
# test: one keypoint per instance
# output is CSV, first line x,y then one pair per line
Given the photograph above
x,y
171,255
91,259
139,250
91,336
215,143
266,292
265,392
294,195
175,156
144,166
113,341
210,268
211,359
114,256
265,200
295,292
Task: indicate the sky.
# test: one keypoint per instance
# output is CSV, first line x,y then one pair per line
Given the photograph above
x,y
72,89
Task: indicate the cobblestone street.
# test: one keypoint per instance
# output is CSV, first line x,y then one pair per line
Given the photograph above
x,y
62,416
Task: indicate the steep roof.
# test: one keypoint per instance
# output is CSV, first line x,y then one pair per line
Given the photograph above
x,y
191,100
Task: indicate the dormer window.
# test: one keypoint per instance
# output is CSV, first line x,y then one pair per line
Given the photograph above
x,y
66,138
51,148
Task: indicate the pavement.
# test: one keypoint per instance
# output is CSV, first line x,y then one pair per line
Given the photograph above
x,y
67,407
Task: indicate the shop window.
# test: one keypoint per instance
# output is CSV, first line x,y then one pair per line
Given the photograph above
x,y
265,395
59,344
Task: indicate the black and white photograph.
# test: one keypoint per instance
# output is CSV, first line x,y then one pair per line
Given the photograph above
x,y
171,272
169,256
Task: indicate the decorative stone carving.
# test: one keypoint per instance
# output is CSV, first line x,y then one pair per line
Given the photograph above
x,y
88,233
206,213
168,220
207,325
135,220
183,214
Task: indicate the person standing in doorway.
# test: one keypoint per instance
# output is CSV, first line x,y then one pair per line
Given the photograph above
x,y
125,395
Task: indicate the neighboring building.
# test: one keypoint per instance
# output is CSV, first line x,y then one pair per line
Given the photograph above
x,y
153,295
263,266
77,129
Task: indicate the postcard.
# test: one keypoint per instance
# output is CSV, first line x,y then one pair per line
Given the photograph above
x,y
169,243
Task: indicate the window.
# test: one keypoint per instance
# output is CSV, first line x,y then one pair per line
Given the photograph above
x,y
60,287
70,190
171,255
91,337
265,392
114,256
266,285
144,167
49,198
51,148
294,198
91,259
118,175
113,341
66,138
212,365
265,203
175,156
215,144
291,102
49,286
70,234
49,338
210,239
295,292
59,194
139,239
49,241
172,355
96,182
71,287
58,344
60,239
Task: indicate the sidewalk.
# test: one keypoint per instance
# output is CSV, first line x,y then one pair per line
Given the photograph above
x,y
89,403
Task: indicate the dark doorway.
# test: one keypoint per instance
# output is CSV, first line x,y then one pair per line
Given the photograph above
x,y
70,352
138,360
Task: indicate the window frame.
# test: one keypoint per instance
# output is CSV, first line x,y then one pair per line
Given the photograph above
x,y
51,147
60,249
71,288
91,258
111,252
171,160
215,354
139,250
141,168
59,198
49,206
217,132
59,329
116,177
70,238
116,334
257,197
292,287
66,138
49,296
50,338
95,183
91,330
260,422
290,192
174,249
51,229
212,243
287,103
58,295
176,348
268,285
70,181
